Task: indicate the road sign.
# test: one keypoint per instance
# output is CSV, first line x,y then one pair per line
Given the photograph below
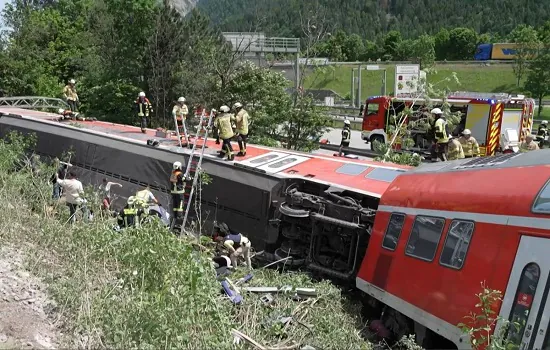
x,y
407,79
372,67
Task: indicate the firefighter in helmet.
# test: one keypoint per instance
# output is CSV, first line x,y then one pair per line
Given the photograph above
x,y
542,133
454,149
529,144
69,92
346,138
223,123
177,189
130,215
441,133
469,144
143,109
180,112
241,123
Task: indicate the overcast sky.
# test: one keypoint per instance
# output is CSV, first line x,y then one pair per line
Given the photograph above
x,y
2,4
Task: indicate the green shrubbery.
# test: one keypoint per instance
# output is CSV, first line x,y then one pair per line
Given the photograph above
x,y
147,288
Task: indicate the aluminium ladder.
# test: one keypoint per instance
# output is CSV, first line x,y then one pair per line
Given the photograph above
x,y
195,167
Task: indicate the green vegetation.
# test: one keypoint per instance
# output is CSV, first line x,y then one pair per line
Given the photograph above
x,y
494,78
145,287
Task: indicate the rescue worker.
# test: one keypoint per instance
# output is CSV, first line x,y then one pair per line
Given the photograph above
x,y
61,173
454,149
180,112
69,92
241,127
129,215
441,133
73,192
234,242
144,198
177,189
105,189
469,144
215,131
346,138
430,134
528,144
223,123
143,108
542,133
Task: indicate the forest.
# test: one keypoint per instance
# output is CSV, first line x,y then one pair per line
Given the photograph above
x,y
371,19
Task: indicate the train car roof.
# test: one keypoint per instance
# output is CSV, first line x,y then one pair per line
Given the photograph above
x,y
363,176
498,189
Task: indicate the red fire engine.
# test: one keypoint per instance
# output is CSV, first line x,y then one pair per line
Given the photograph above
x,y
497,123
443,228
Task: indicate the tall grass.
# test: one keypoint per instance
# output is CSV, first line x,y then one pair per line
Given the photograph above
x,y
145,287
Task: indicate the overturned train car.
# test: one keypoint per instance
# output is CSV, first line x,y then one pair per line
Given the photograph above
x,y
319,210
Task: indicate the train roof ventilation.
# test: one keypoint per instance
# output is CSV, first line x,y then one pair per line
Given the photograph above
x,y
483,162
352,169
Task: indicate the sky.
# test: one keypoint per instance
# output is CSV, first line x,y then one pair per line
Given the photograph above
x,y
2,4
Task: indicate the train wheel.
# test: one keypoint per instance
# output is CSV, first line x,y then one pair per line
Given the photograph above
x,y
375,138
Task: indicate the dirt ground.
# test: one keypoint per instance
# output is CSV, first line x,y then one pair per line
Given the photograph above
x,y
26,312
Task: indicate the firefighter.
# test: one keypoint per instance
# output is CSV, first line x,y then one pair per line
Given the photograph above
x,y
430,134
234,242
143,109
129,215
241,127
180,112
177,188
542,133
454,149
441,133
528,144
346,138
144,198
69,92
215,131
223,123
469,144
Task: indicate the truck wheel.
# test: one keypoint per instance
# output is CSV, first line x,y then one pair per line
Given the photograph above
x,y
374,138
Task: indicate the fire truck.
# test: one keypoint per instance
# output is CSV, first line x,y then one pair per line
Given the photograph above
x,y
499,122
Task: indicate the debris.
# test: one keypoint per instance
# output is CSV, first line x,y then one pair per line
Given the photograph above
x,y
286,289
307,347
267,299
244,279
248,339
233,296
278,261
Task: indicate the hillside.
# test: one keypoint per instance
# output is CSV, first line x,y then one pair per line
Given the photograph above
x,y
369,18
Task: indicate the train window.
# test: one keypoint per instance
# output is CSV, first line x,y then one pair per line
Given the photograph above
x,y
383,174
456,244
264,159
424,237
395,226
282,162
351,169
522,302
542,202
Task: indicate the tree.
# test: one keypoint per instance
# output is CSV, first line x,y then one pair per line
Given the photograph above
x,y
441,43
423,51
527,43
538,78
391,45
462,44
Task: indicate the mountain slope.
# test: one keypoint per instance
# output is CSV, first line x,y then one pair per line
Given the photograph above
x,y
370,18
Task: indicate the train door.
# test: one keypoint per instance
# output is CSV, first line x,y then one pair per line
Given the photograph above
x,y
525,302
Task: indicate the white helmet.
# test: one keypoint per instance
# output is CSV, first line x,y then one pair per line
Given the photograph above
x,y
72,81
436,111
466,132
544,122
176,165
61,111
347,122
142,94
131,200
224,109
237,105
181,99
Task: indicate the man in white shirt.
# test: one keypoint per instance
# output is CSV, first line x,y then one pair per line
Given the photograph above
x,y
105,189
144,198
73,191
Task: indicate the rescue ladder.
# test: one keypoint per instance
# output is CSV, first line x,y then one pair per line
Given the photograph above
x,y
195,166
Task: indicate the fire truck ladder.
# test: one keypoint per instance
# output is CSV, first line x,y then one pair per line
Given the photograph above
x,y
194,167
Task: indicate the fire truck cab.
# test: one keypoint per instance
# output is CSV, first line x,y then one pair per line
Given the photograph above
x,y
498,123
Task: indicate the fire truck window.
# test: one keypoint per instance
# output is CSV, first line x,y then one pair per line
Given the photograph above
x,y
425,236
383,174
522,303
456,244
395,226
351,169
542,202
372,108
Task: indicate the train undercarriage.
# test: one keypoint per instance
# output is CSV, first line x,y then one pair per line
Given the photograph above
x,y
325,230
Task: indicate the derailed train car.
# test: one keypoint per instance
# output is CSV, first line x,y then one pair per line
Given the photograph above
x,y
267,195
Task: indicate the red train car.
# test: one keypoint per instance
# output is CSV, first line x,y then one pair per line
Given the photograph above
x,y
442,229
